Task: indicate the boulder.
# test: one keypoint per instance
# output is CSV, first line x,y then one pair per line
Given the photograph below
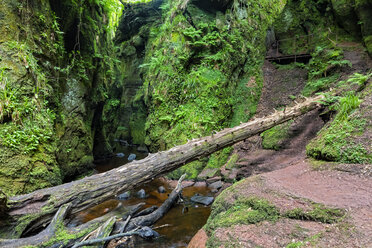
x,y
147,233
205,200
199,240
141,194
132,157
124,196
120,155
161,190
207,173
216,185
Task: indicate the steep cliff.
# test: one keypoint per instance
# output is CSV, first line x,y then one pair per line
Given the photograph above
x,y
54,67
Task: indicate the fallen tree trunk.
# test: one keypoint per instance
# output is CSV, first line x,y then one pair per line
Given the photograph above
x,y
57,235
35,210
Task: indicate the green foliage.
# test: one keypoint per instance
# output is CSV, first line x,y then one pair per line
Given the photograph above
x,y
346,105
325,58
25,123
190,84
334,142
359,79
322,69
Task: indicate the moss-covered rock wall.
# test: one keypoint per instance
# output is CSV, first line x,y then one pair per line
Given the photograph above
x,y
202,69
54,72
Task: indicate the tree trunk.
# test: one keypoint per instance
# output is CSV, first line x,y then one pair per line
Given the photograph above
x,y
35,210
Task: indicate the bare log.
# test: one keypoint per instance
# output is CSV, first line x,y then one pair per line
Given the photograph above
x,y
32,211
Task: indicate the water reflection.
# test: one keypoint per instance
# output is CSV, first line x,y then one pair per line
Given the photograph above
x,y
177,227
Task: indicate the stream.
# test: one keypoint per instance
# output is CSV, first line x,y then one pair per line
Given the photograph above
x,y
179,226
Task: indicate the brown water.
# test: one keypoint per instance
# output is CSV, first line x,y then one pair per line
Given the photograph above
x,y
181,225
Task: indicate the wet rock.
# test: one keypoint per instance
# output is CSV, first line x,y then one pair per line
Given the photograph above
x,y
147,233
141,194
213,179
143,149
120,155
207,173
205,200
185,184
161,190
216,185
200,184
124,196
132,157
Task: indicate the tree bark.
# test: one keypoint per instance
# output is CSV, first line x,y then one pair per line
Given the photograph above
x,y
32,211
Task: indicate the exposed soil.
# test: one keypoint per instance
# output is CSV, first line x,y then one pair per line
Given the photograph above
x,y
297,186
289,180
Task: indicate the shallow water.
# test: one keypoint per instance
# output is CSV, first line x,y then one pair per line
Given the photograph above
x,y
181,222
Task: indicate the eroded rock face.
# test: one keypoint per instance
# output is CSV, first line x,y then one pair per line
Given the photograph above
x,y
52,121
131,37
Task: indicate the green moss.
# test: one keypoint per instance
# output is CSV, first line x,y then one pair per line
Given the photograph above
x,y
195,89
244,211
274,137
192,170
335,142
218,159
313,241
232,161
318,213
63,236
202,72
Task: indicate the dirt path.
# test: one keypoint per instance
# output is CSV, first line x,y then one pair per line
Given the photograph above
x,y
289,180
